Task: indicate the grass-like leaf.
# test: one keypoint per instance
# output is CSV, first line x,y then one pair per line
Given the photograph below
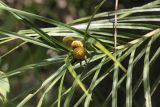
x,y
129,81
4,89
25,38
146,76
75,76
60,90
108,53
33,66
48,89
47,81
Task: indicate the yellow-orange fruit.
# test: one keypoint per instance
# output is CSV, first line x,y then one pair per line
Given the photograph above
x,y
67,40
76,44
79,53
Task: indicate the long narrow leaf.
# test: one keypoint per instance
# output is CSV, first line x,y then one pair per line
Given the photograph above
x,y
146,77
73,73
108,53
129,81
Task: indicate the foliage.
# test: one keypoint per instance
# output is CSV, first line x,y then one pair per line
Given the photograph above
x,y
137,40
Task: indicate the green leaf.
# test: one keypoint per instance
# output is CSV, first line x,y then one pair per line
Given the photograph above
x,y
75,76
45,36
129,81
13,49
146,82
115,85
60,89
144,37
107,52
55,76
70,94
47,90
44,19
92,17
99,66
4,88
25,38
42,63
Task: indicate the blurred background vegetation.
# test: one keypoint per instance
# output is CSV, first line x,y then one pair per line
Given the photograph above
x,y
62,10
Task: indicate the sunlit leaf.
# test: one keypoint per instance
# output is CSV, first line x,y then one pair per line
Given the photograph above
x,y
4,88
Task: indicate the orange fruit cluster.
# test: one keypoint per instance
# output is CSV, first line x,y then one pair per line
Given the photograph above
x,y
79,52
67,40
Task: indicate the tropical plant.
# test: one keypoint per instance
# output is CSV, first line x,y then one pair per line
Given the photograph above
x,y
128,62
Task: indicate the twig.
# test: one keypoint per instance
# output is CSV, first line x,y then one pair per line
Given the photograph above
x,y
115,75
115,27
